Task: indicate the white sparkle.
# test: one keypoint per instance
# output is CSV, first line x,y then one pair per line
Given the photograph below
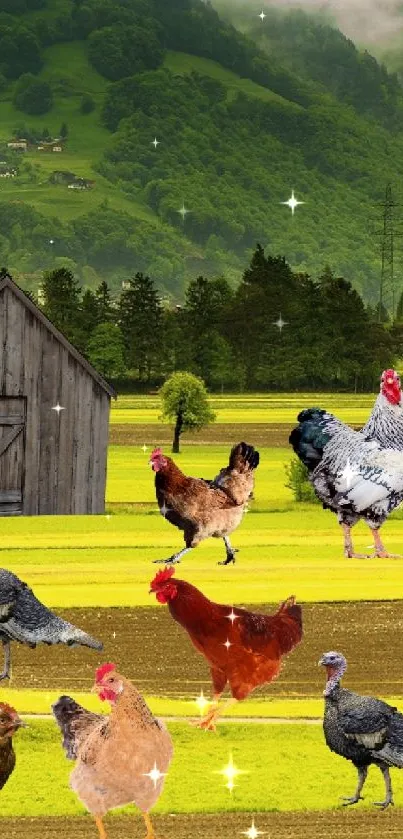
x,y
57,408
348,473
164,509
154,774
108,516
232,616
227,644
292,202
202,703
51,241
280,323
155,142
230,772
144,447
252,832
262,16
113,634
183,211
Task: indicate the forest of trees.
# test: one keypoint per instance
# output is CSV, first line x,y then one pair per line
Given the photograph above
x,y
278,330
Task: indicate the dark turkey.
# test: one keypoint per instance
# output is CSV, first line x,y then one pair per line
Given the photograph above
x,y
357,474
362,729
25,619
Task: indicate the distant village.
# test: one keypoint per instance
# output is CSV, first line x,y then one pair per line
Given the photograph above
x,y
20,145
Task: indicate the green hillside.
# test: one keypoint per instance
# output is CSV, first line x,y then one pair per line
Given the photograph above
x,y
240,119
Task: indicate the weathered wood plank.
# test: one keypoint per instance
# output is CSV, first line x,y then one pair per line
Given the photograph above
x,y
10,495
9,438
33,337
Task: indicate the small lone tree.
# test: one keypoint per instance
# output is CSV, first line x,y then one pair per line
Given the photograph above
x,y
185,402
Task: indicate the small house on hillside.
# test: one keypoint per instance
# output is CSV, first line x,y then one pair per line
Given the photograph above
x,y
54,415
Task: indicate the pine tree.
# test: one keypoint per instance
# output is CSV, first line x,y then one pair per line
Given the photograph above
x,y
61,302
140,321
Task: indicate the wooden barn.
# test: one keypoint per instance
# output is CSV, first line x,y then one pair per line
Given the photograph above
x,y
54,415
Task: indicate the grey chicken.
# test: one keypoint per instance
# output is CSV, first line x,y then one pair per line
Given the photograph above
x,y
357,474
25,619
362,729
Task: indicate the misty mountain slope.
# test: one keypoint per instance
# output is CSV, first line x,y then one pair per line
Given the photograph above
x,y
238,127
310,47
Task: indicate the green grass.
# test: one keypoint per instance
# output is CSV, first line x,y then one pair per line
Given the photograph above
x,y
269,756
251,408
39,702
85,146
96,561
184,64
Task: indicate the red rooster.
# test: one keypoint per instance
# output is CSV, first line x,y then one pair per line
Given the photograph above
x,y
205,508
242,648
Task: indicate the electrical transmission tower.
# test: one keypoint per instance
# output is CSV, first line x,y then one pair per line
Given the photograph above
x,y
387,235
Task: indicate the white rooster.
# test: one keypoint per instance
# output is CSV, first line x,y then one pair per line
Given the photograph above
x,y
357,474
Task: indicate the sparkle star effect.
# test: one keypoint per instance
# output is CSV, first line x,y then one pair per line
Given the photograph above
x,y
57,408
155,142
252,832
292,202
227,644
280,323
230,772
348,473
154,774
164,509
232,616
183,211
144,447
202,703
262,15
113,634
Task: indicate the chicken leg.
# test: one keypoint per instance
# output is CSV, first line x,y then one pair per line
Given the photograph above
x,y
149,826
174,559
7,661
208,722
230,552
348,544
388,786
101,829
362,777
380,550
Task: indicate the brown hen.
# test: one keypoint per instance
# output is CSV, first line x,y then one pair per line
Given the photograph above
x,y
9,724
204,508
121,758
243,648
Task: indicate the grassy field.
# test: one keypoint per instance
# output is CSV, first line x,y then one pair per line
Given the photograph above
x,y
269,756
96,561
248,409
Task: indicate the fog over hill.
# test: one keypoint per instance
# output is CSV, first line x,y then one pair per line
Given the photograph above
x,y
368,22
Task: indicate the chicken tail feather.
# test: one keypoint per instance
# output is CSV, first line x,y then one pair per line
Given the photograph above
x,y
244,458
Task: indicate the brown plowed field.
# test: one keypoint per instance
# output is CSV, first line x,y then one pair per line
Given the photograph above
x,y
333,824
154,651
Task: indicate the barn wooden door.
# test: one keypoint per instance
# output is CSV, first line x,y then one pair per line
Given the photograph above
x,y
12,454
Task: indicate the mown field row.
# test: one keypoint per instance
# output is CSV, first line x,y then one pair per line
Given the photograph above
x,y
250,408
269,757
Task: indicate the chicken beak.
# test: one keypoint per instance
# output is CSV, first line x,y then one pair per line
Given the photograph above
x,y
320,662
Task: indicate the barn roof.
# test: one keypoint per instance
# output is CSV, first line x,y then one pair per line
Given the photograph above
x,y
7,282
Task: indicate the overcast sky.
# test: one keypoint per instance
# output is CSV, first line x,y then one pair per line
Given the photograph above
x,y
367,21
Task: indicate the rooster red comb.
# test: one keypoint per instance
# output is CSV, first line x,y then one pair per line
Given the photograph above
x,y
103,670
162,577
156,452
